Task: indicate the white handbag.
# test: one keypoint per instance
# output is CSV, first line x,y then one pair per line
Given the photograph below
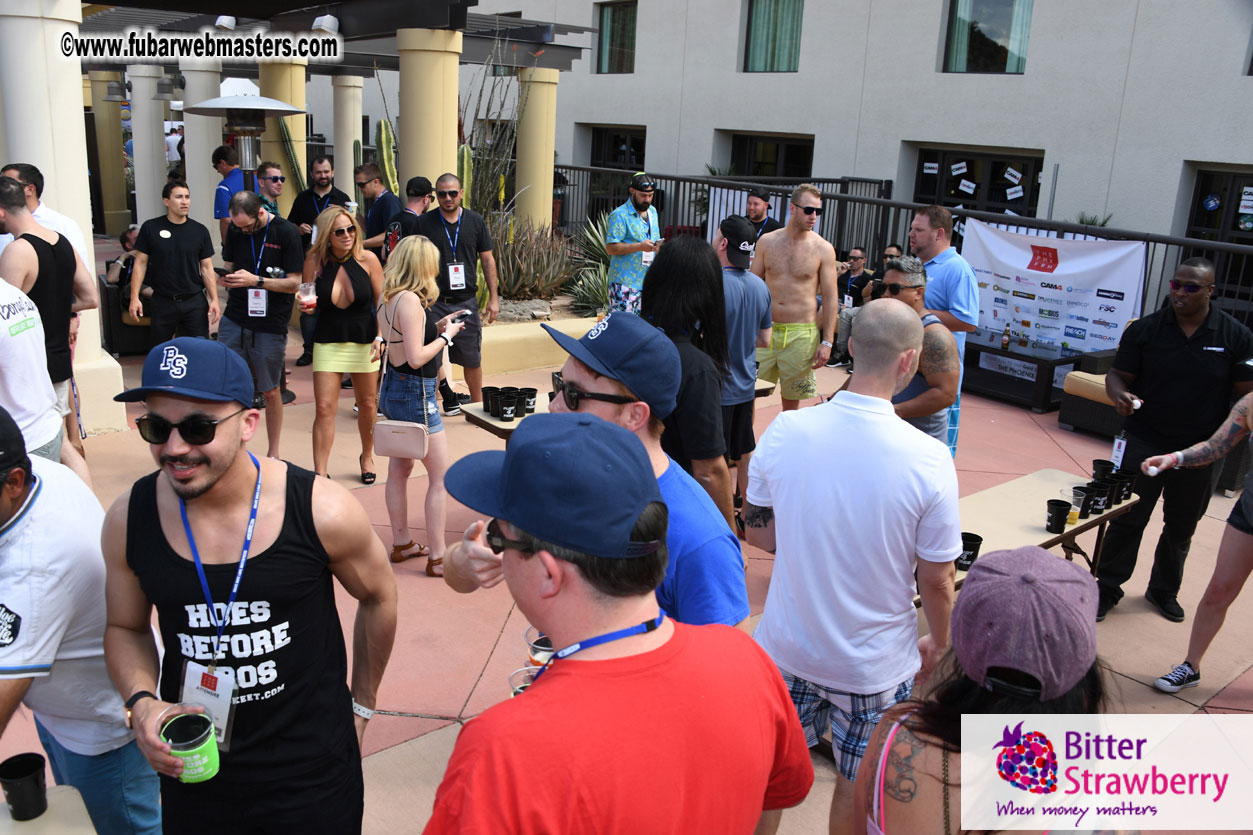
x,y
400,438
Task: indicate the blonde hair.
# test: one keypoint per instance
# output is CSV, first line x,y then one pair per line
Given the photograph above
x,y
412,267
320,251
805,188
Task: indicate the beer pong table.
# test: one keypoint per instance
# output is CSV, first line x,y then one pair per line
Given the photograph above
x,y
477,414
66,815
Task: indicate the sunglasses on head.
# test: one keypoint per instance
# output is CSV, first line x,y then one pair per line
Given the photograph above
x,y
573,395
498,542
196,430
810,210
345,231
1189,286
450,193
896,289
277,178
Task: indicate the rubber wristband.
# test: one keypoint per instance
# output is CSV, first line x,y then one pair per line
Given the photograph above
x,y
1178,458
361,710
447,339
828,344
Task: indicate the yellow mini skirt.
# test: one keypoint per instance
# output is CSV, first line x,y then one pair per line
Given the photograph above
x,y
343,357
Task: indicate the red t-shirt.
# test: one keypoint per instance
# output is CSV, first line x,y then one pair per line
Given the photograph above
x,y
698,735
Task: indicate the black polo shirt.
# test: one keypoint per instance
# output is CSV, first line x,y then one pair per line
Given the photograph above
x,y
381,212
1185,382
274,252
767,225
174,252
307,206
471,237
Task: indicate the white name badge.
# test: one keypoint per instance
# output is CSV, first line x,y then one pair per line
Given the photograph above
x,y
646,258
848,300
213,690
456,276
257,301
313,236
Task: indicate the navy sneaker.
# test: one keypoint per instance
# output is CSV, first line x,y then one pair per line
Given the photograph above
x,y
1177,679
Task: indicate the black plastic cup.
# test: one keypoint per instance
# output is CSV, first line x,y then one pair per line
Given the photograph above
x,y
971,543
1085,508
508,407
530,394
1112,490
1058,510
486,391
493,403
1125,482
1100,497
22,778
1101,468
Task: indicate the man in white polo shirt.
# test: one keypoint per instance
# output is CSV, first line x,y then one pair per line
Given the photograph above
x,y
839,619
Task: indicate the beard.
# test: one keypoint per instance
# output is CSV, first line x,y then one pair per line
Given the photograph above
x,y
640,206
322,180
204,481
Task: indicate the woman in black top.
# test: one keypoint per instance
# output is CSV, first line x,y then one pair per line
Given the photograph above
x,y
348,281
415,342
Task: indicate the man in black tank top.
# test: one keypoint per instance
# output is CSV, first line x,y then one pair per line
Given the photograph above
x,y
43,265
258,627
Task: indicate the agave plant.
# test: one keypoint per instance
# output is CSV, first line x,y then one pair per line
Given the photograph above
x,y
590,291
531,263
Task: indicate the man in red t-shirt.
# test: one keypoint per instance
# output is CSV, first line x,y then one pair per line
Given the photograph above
x,y
637,724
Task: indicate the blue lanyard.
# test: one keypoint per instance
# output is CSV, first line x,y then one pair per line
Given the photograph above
x,y
243,558
452,242
763,225
646,626
327,202
252,241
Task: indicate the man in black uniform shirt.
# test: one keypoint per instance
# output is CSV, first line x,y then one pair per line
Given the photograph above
x,y
267,258
1184,364
757,208
175,257
259,642
418,193
383,209
464,242
305,209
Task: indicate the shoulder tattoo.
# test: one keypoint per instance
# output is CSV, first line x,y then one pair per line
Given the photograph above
x,y
900,779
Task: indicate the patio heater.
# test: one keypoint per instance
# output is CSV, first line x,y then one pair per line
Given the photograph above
x,y
245,117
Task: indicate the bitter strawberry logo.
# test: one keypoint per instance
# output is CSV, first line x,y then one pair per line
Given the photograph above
x,y
1027,761
1043,259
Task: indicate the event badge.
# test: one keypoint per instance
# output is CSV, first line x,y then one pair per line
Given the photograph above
x,y
1120,446
647,257
256,301
313,235
848,299
213,688
456,276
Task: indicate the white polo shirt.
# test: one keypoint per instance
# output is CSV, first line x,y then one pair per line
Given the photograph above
x,y
859,496
52,612
25,390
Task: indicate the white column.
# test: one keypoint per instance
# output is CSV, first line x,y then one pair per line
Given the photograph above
x,y
43,125
201,134
347,104
148,134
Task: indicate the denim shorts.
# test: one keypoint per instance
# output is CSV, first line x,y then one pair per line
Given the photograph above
x,y
404,397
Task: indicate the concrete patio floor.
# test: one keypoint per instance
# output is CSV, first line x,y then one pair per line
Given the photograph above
x,y
453,652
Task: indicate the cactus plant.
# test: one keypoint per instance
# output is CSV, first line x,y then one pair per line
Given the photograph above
x,y
356,161
465,168
295,168
385,143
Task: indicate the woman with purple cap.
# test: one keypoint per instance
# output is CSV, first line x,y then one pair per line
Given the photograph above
x,y
1024,642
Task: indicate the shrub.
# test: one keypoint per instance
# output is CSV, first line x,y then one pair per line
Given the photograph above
x,y
531,263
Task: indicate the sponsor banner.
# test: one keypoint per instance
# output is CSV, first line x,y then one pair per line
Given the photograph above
x,y
1092,772
1096,283
734,201
1021,369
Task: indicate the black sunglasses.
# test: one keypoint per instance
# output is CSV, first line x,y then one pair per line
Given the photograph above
x,y
361,184
452,193
1189,287
196,430
277,178
573,395
897,289
810,210
498,542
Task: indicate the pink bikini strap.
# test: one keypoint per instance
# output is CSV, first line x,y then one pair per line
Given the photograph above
x,y
877,815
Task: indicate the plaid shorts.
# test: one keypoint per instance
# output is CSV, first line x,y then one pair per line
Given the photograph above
x,y
852,716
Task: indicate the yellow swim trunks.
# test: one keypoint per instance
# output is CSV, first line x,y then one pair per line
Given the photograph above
x,y
790,359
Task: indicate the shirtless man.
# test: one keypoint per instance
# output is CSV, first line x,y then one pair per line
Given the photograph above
x,y
797,265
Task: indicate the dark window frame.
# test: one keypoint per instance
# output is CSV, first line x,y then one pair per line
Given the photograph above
x,y
950,24
607,53
748,41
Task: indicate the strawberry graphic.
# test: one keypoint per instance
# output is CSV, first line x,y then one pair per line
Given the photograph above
x,y
1027,761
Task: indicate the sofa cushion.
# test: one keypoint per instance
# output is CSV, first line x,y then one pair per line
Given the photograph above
x,y
1088,386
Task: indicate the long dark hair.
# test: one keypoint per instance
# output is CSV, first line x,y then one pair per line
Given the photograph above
x,y
683,295
939,715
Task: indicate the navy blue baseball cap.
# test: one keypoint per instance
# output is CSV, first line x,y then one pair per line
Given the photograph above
x,y
571,479
624,347
192,367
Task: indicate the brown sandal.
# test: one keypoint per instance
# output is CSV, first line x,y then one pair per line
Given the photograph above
x,y
433,563
399,555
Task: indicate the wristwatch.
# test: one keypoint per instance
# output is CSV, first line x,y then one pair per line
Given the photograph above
x,y
260,281
134,700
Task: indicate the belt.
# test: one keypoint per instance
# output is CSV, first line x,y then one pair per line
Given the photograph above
x,y
455,299
180,297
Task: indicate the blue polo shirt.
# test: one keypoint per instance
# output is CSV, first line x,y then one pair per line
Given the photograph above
x,y
951,286
230,184
627,227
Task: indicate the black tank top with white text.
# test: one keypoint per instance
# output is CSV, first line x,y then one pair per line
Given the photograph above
x,y
293,708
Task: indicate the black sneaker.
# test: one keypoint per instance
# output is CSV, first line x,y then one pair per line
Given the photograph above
x,y
1103,607
1167,607
452,406
305,359
1177,679
345,383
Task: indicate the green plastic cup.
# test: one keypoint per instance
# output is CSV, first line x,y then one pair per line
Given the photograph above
x,y
192,740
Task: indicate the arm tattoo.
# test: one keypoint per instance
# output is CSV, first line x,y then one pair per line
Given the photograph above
x,y
939,354
1221,442
757,517
900,780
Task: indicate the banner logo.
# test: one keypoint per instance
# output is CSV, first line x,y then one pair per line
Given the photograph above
x,y
1076,317
1027,761
997,300
1107,308
1025,281
1103,323
1043,259
1116,295
1050,286
1076,333
1023,295
1046,313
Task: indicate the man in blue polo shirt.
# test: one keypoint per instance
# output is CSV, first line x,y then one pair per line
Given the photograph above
x,y
226,163
632,240
952,291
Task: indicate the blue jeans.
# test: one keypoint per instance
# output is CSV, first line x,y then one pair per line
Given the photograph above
x,y
120,789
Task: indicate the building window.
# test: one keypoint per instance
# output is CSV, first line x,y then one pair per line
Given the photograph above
x,y
1222,210
616,53
987,36
982,181
772,156
773,40
618,147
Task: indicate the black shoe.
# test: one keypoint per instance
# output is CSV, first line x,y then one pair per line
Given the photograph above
x,y
1177,679
305,359
841,360
1103,607
453,406
463,398
1167,607
346,383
